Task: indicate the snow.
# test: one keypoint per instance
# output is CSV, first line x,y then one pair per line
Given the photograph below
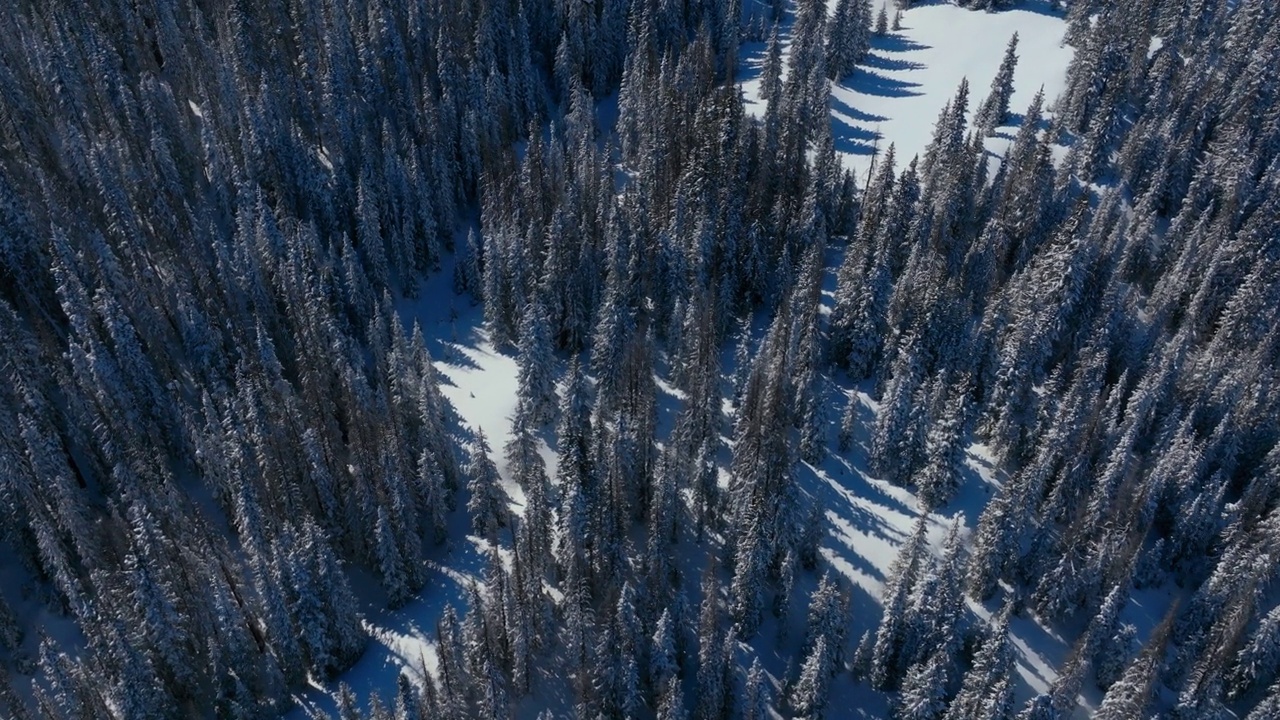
x,y
895,98
898,91
400,641
480,382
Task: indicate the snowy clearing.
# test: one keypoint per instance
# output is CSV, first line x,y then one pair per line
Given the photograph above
x,y
898,90
895,98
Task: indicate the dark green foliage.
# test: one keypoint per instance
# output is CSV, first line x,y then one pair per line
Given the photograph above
x,y
212,411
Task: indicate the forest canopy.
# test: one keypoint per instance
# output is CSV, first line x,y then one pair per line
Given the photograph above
x,y
222,445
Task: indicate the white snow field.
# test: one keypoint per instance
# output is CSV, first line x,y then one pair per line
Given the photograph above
x,y
895,97
897,92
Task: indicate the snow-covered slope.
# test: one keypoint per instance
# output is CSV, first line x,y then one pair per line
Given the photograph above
x,y
897,92
896,98
480,383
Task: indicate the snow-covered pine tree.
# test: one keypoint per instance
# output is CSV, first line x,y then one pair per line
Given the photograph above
x,y
1270,705
408,700
810,691
536,375
671,702
888,651
1131,694
1039,707
757,696
11,633
487,503
9,701
944,451
994,110
712,662
860,664
526,466
828,618
848,37
1113,654
621,691
924,690
663,659
895,443
848,425
985,686
1258,658
746,590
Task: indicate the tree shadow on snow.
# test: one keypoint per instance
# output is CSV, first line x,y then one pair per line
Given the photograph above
x,y
455,354
402,640
881,62
1039,7
973,493
853,113
670,400
853,140
897,43
751,58
869,82
1016,119
1035,648
847,549
848,131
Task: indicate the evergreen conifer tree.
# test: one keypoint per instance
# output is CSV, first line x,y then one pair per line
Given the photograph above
x,y
986,684
995,109
923,694
487,504
809,694
536,378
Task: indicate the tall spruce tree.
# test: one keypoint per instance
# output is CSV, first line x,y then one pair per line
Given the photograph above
x,y
994,110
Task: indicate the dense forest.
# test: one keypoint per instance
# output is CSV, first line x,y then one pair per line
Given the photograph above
x,y
215,428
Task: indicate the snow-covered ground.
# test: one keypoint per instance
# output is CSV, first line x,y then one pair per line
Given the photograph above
x,y
895,97
481,384
896,94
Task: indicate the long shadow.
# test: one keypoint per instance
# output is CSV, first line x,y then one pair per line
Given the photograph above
x,y
670,403
852,139
869,82
853,113
401,640
864,605
1035,647
455,354
837,495
750,61
856,483
856,463
859,511
846,547
897,43
973,493
881,62
1040,7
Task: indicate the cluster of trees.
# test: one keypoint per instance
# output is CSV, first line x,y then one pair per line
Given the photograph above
x,y
1073,316
210,410
214,412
